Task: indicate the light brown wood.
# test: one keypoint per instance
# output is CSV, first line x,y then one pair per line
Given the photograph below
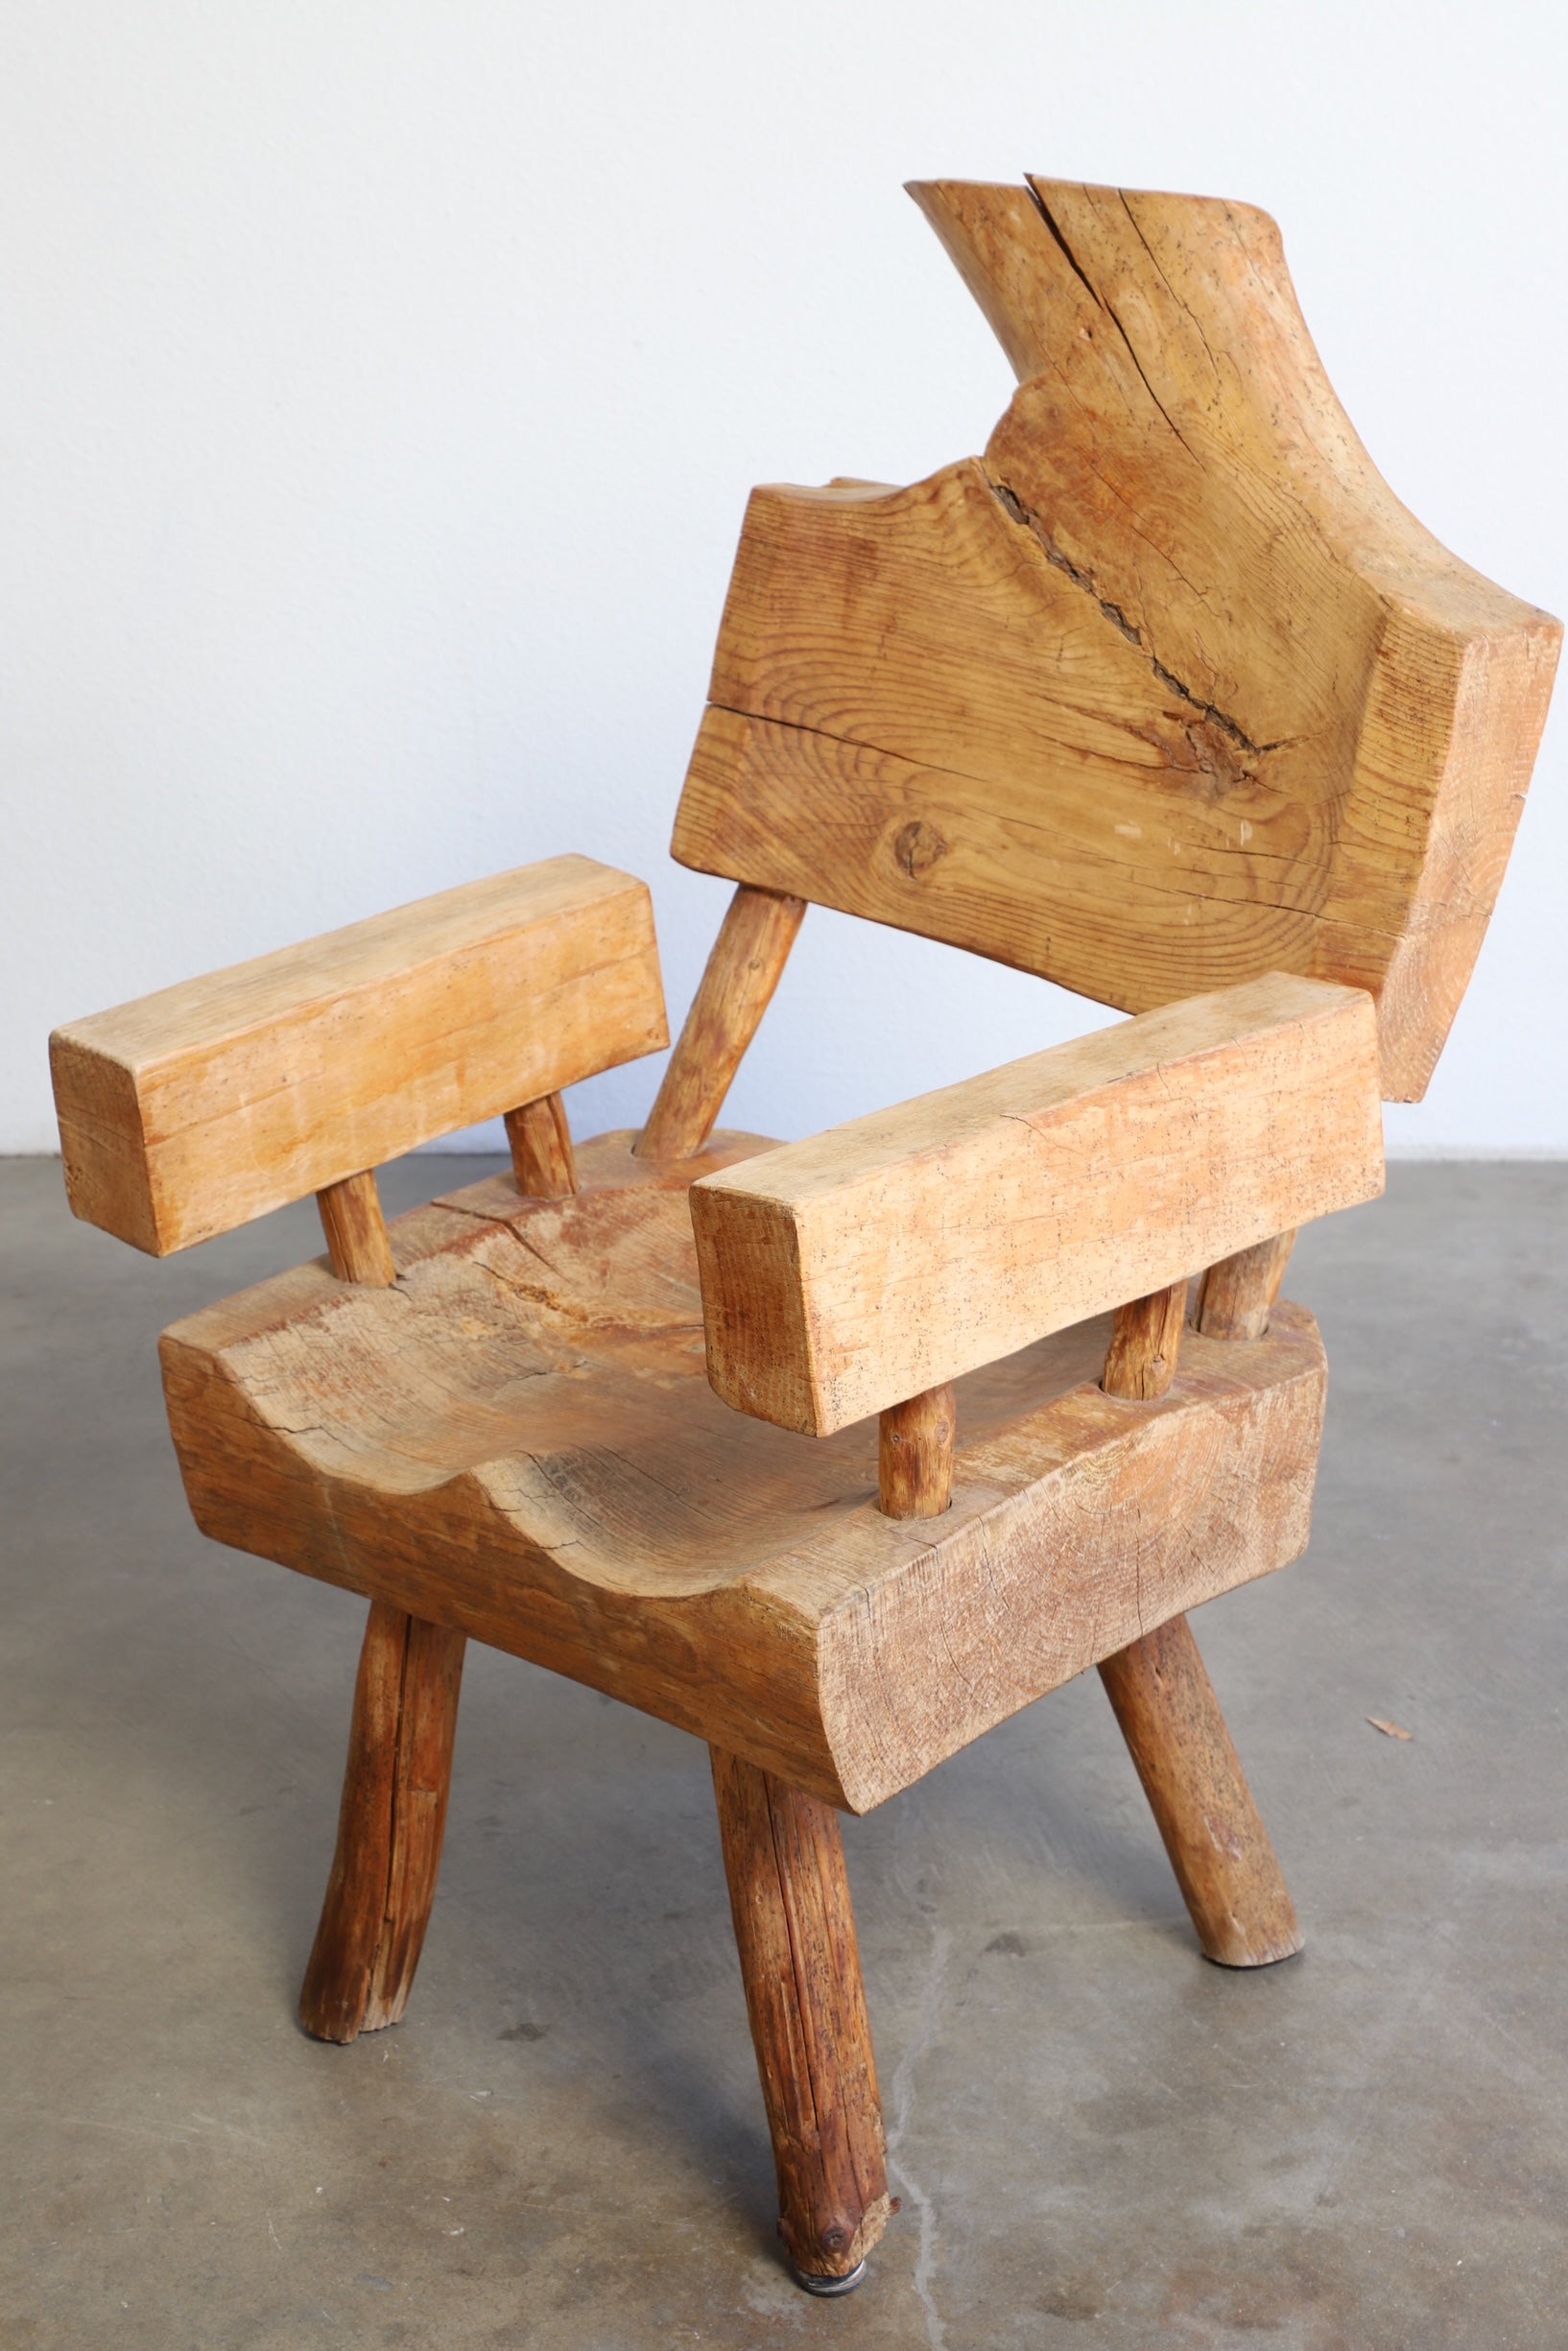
x,y
390,1827
844,1273
193,1110
1165,697
1224,1864
519,1442
914,1455
1236,1297
356,1230
1145,1344
1165,691
743,969
541,1150
801,1965
427,1722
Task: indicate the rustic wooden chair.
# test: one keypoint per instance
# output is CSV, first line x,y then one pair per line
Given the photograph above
x,y
1166,698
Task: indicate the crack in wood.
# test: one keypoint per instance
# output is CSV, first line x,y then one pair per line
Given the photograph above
x,y
1013,507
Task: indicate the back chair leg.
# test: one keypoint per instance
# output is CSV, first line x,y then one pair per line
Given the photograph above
x,y
1163,1698
784,1859
390,1827
1219,1848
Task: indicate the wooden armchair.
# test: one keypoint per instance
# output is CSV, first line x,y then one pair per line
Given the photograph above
x,y
838,1453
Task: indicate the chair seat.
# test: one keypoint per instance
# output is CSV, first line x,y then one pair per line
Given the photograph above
x,y
518,1440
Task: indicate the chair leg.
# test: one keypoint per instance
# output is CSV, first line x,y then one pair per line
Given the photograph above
x,y
784,1859
390,1827
1219,1848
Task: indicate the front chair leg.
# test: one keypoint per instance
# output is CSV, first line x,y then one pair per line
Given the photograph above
x,y
784,1859
1219,1848
390,1827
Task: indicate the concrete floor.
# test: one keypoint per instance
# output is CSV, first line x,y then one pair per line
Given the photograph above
x,y
1100,2140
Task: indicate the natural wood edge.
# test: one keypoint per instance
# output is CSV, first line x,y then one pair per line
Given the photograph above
x,y
542,1159
1237,1295
1218,1846
795,1930
356,1231
914,1455
881,734
1145,1345
390,1827
736,988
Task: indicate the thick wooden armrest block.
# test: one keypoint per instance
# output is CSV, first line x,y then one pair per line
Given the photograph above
x,y
844,1273
195,1109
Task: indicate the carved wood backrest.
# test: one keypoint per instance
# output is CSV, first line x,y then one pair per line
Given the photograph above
x,y
1165,691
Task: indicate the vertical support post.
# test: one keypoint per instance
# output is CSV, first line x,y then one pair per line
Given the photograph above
x,y
542,1160
356,1231
390,1827
1145,1343
1238,1294
736,988
915,1454
790,1897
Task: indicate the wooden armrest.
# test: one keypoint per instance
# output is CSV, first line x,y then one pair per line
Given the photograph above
x,y
844,1274
195,1109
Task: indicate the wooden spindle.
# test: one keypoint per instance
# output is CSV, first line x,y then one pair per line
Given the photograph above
x,y
735,990
390,1827
801,1965
541,1150
1198,1793
1145,1342
914,1455
1238,1294
356,1230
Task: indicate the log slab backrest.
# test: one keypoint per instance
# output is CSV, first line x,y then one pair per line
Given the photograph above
x,y
1164,692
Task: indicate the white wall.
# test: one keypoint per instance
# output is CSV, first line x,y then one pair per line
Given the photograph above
x,y
383,383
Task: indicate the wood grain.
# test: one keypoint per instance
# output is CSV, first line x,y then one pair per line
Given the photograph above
x,y
743,969
1236,1297
356,1230
1224,1864
1168,689
844,1273
191,1111
390,1827
1145,1344
914,1455
518,1442
540,1139
801,1965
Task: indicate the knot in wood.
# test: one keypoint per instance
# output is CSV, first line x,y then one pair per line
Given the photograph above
x,y
918,848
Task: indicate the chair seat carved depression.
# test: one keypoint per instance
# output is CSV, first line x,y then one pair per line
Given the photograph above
x,y
839,1452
